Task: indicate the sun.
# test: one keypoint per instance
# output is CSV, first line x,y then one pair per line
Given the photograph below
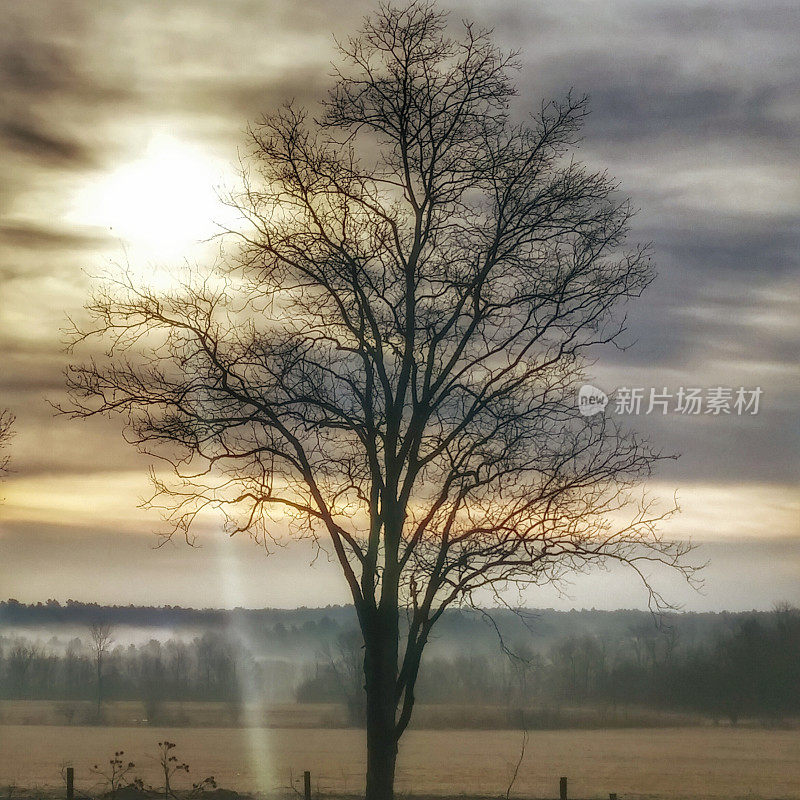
x,y
161,204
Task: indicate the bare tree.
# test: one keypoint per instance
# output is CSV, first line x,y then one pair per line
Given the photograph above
x,y
6,432
115,774
102,640
345,658
169,766
389,363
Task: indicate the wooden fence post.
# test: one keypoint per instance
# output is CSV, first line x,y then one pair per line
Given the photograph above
x,y
562,789
70,783
307,785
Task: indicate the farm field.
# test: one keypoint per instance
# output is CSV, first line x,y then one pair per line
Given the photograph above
x,y
636,763
200,714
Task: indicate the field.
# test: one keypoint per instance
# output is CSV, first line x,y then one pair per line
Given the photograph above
x,y
198,714
635,763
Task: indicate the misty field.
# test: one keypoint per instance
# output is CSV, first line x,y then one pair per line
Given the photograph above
x,y
652,763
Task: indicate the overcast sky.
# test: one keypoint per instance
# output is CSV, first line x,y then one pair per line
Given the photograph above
x,y
110,108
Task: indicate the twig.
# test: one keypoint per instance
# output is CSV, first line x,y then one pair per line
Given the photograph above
x,y
519,763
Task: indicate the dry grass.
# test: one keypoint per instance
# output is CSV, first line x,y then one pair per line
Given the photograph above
x,y
642,763
172,714
322,715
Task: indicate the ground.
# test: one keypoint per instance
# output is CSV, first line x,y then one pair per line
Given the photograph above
x,y
664,763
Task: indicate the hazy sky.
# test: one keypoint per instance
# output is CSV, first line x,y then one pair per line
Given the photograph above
x,y
119,119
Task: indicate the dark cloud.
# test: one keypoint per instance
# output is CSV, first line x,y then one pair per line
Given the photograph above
x,y
730,247
759,450
33,236
691,317
665,105
55,93
735,19
238,101
50,146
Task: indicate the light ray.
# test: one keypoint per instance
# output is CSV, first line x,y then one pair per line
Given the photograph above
x,y
254,706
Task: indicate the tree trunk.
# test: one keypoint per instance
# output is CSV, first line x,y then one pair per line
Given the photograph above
x,y
380,673
381,757
99,685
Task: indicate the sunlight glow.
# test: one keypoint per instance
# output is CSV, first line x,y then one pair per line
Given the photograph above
x,y
161,204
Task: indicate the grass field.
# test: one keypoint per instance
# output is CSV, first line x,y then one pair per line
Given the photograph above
x,y
196,714
637,763
171,714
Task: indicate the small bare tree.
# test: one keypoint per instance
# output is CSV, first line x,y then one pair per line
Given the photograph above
x,y
345,659
169,766
100,633
115,774
6,432
390,363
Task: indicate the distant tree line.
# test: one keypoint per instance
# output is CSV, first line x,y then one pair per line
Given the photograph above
x,y
458,629
723,666
74,613
751,670
211,667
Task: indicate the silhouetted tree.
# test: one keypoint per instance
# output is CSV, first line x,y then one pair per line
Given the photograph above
x,y
115,774
20,662
100,633
345,658
390,364
6,432
169,766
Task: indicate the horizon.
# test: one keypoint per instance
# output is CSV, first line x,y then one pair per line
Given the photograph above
x,y
53,602
226,573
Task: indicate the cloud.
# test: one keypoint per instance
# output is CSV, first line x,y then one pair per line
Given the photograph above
x,y
94,564
42,236
48,146
736,247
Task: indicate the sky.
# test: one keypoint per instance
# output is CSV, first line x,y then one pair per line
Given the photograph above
x,y
120,123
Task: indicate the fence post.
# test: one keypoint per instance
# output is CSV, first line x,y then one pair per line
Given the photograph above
x,y
612,796
562,788
70,783
307,785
